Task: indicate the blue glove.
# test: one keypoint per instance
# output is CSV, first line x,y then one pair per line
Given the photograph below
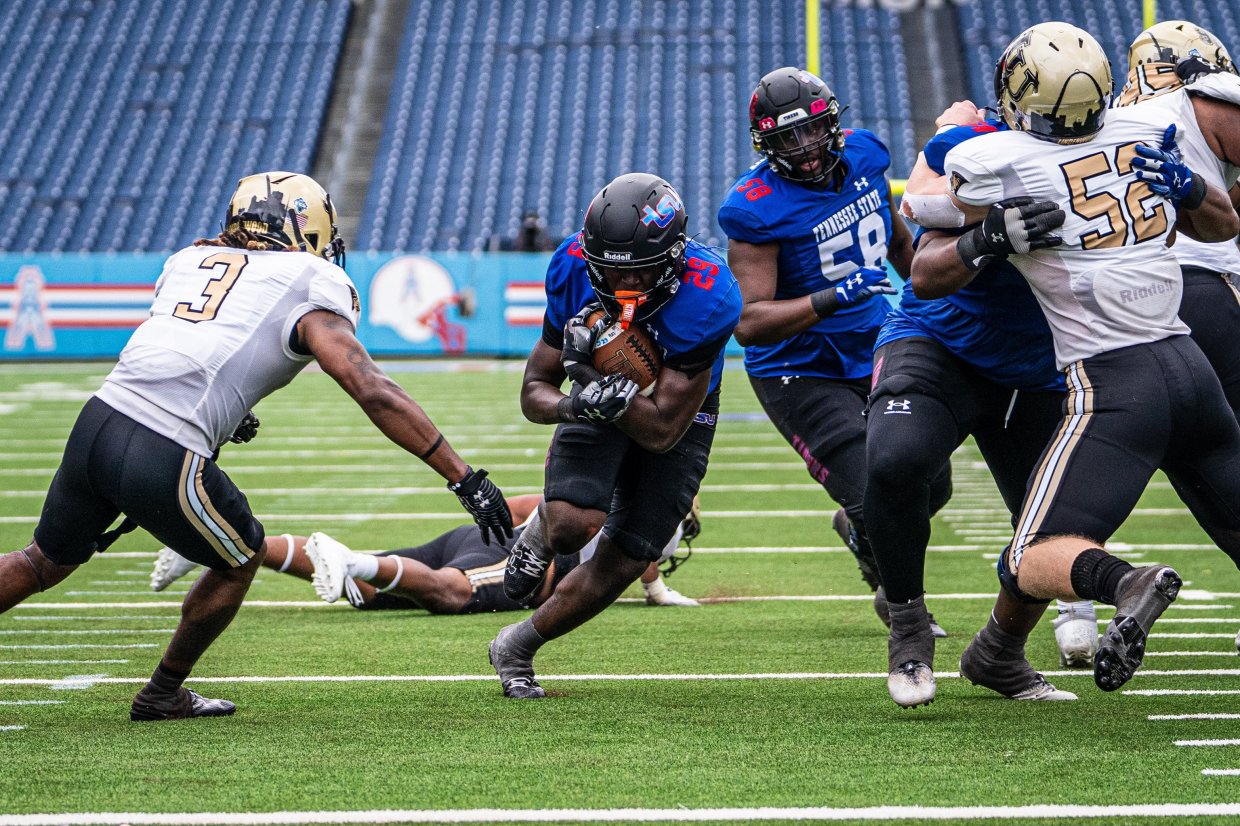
x,y
862,284
1167,174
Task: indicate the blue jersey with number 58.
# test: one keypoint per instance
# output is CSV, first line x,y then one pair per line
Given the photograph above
x,y
691,329
823,237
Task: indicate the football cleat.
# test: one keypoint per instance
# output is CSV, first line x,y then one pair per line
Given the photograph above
x,y
670,596
185,703
911,684
331,569
1006,671
169,567
1076,634
1144,593
516,673
910,655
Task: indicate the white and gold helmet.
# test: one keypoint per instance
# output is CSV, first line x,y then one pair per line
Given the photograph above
x,y
286,208
1054,82
1173,40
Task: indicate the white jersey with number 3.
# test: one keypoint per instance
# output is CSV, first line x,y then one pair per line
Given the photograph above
x,y
217,340
1113,283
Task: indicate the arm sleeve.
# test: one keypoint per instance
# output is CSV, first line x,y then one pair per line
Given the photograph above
x,y
559,276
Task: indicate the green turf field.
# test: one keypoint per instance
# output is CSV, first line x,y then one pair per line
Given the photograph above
x,y
747,708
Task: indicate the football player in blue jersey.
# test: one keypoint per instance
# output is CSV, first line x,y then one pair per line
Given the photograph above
x,y
953,361
625,463
809,228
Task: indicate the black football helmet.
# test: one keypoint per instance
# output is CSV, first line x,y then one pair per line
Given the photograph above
x,y
794,118
636,222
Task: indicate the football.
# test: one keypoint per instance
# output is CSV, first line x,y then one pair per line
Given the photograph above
x,y
631,353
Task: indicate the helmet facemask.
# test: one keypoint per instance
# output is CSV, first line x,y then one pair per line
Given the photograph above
x,y
627,306
818,137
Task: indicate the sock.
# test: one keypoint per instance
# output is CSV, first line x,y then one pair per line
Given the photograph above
x,y
655,590
524,640
1096,575
166,680
363,566
996,639
534,536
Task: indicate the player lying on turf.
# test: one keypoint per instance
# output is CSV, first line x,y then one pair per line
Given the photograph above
x,y
455,573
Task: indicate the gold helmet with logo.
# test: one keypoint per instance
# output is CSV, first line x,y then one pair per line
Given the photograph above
x,y
1054,82
1173,40
289,209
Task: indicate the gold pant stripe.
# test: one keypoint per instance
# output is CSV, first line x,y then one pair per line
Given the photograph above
x,y
189,498
488,575
1048,478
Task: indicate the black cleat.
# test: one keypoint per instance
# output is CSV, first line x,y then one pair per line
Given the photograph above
x,y
1144,593
516,674
149,705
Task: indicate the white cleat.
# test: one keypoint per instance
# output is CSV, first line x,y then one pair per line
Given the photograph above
x,y
1076,634
911,684
671,596
1044,691
331,565
169,567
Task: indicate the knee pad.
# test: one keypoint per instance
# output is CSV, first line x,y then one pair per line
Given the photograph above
x,y
1007,580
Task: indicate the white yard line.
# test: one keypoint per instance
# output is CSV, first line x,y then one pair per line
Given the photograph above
x,y
1030,813
1206,743
1193,717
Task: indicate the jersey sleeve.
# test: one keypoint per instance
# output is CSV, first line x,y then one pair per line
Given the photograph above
x,y
712,331
331,289
741,223
937,148
561,272
970,179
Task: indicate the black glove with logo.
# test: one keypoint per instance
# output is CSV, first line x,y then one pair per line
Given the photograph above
x,y
577,354
485,504
1011,227
601,401
246,430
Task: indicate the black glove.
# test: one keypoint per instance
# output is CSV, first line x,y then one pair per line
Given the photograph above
x,y
1011,227
485,504
577,354
602,400
246,430
1195,66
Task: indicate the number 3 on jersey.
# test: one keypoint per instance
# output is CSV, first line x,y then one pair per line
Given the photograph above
x,y
870,241
217,288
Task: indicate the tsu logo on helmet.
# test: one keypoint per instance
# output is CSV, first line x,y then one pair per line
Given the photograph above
x,y
662,214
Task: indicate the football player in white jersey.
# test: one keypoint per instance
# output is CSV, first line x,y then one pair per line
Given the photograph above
x,y
1211,305
1084,201
234,319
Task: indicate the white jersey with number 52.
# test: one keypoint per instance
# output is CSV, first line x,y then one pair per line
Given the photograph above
x,y
218,339
1113,283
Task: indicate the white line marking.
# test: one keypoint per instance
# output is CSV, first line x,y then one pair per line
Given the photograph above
x,y
474,678
1221,772
1193,717
1224,636
1181,692
1031,813
1230,652
76,682
82,631
111,617
31,702
62,662
60,647
11,728
1195,743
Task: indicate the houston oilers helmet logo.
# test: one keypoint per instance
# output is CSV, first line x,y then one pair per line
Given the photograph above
x,y
662,214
